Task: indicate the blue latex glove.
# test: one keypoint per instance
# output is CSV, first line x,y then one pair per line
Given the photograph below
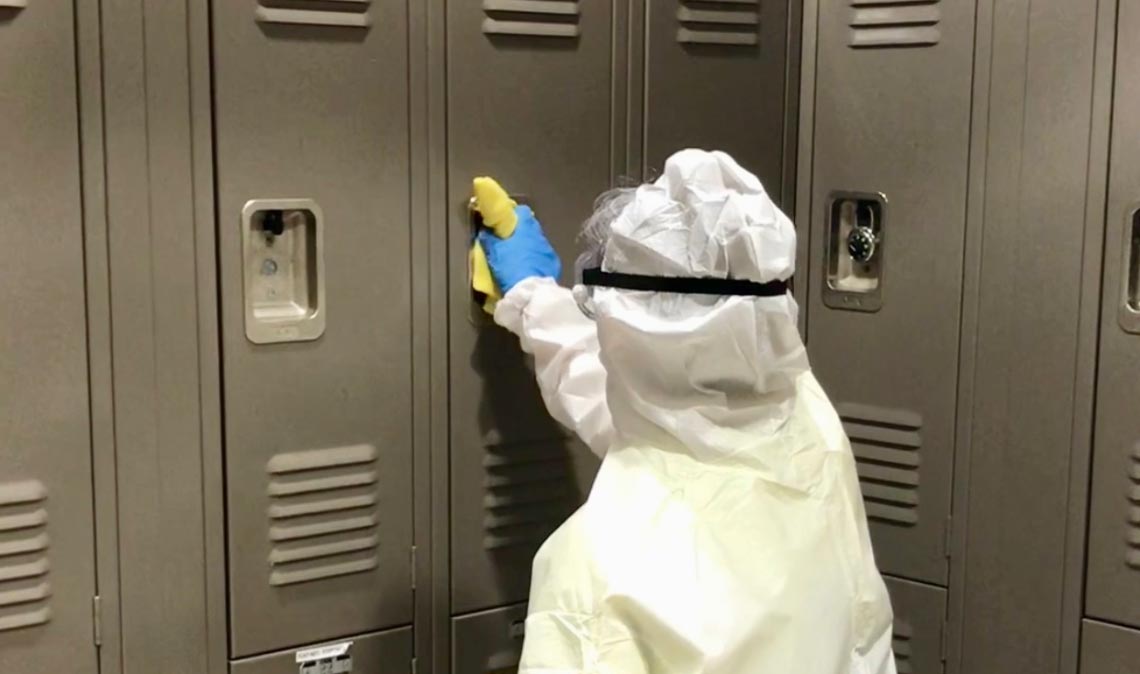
x,y
526,253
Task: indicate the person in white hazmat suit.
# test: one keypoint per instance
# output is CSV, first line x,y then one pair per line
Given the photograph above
x,y
725,533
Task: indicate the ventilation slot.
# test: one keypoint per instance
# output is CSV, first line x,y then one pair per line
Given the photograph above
x,y
532,18
1132,557
894,23
724,22
13,4
24,586
322,514
901,644
886,444
528,495
336,13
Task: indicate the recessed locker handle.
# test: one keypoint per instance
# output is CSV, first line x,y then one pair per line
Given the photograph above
x,y
283,270
854,236
1130,304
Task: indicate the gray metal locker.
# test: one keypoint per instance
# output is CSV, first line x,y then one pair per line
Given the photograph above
x,y
1113,591
920,624
529,102
1109,649
312,153
47,547
887,228
489,642
715,79
381,653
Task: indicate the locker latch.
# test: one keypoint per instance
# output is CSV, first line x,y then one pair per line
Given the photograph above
x,y
284,270
853,273
1130,306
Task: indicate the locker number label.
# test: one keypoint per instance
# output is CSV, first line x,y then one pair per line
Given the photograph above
x,y
331,659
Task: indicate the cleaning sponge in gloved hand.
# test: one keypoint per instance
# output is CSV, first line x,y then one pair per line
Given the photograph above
x,y
510,248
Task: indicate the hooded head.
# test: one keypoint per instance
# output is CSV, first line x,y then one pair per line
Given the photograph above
x,y
712,374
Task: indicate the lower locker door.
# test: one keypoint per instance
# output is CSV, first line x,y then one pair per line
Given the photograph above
x,y
1109,649
489,642
377,653
920,619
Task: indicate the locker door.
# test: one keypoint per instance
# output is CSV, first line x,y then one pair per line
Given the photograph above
x,y
1109,649
920,619
892,121
489,642
715,79
1114,527
529,102
47,564
383,653
312,160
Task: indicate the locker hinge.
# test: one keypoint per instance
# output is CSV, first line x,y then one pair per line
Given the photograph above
x,y
944,643
97,619
947,536
413,558
415,668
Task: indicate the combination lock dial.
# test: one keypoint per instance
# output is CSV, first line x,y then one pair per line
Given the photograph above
x,y
861,244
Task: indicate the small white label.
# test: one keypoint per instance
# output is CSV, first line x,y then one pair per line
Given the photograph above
x,y
330,652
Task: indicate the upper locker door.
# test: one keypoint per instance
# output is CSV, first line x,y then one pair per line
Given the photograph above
x,y
892,126
715,76
1114,530
47,555
529,103
312,153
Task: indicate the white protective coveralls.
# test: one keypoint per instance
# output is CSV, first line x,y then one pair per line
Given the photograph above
x,y
725,533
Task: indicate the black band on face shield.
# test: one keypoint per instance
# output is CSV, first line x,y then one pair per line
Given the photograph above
x,y
683,285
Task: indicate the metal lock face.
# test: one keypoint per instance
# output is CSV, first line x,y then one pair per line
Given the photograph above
x,y
853,273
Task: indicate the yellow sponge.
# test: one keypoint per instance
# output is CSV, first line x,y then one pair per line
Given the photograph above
x,y
498,212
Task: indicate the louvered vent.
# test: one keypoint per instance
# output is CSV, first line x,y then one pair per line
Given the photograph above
x,y
533,18
735,22
24,586
342,13
894,23
901,644
322,514
529,493
886,444
1133,553
13,4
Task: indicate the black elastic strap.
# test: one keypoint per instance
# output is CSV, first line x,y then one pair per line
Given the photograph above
x,y
684,285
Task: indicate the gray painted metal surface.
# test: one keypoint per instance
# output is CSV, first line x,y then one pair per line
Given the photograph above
x,y
1109,649
716,80
1034,217
378,653
892,117
47,545
318,447
920,623
1113,591
489,642
521,102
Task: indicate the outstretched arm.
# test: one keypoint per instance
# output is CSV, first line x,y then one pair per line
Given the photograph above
x,y
564,344
545,317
